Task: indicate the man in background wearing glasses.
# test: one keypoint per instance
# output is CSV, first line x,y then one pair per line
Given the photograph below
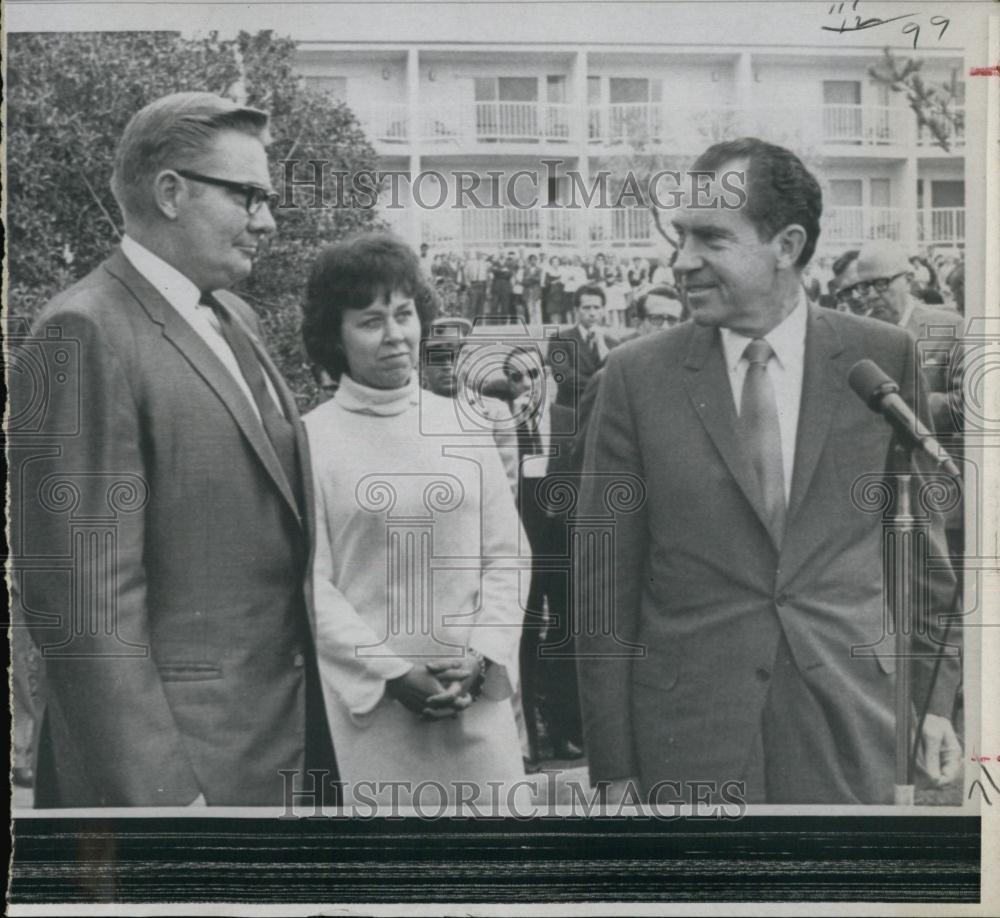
x,y
177,646
545,436
879,286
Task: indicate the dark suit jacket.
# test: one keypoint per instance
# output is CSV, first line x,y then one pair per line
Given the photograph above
x,y
574,363
155,493
702,591
541,510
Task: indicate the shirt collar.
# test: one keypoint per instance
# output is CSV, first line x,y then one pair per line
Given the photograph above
x,y
904,319
787,338
173,286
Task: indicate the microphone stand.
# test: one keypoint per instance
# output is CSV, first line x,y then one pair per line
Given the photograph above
x,y
901,569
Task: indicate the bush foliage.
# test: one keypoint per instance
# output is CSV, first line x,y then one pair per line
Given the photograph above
x,y
69,96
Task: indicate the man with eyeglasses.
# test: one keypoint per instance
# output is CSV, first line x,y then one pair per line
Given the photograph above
x,y
178,646
548,669
659,308
882,290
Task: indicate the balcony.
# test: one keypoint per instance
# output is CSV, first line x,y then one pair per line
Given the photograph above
x,y
953,130
941,226
491,123
632,228
853,225
655,127
385,124
551,229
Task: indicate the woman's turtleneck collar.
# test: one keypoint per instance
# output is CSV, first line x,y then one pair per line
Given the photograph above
x,y
353,396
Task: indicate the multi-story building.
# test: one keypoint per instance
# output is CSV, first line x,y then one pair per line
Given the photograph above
x,y
470,110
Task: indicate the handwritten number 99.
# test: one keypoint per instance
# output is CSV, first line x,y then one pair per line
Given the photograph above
x,y
942,21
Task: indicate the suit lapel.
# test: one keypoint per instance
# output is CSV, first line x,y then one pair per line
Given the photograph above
x,y
822,388
197,353
711,396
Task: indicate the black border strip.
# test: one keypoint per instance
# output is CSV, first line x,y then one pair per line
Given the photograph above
x,y
756,859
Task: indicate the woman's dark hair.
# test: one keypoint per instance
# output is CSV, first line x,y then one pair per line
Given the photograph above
x,y
350,275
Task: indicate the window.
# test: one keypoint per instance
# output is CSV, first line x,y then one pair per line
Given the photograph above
x,y
845,192
881,192
506,89
555,89
624,90
842,111
948,194
557,118
506,108
841,92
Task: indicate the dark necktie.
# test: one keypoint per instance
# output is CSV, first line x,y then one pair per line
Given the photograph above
x,y
279,430
762,434
529,440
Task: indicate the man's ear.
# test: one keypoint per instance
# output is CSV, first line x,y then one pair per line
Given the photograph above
x,y
789,243
169,193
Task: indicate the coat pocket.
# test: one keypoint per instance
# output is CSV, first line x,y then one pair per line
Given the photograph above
x,y
189,672
659,669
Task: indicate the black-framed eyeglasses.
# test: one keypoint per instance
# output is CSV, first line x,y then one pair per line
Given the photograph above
x,y
661,319
878,284
849,298
255,196
517,375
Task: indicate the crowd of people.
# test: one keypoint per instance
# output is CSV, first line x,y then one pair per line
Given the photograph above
x,y
537,287
396,588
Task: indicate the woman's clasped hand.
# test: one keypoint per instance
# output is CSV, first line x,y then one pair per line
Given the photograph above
x,y
439,689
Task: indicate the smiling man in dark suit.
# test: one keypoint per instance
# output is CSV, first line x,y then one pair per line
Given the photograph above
x,y
178,651
747,580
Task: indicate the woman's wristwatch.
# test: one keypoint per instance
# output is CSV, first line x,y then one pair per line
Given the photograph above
x,y
484,665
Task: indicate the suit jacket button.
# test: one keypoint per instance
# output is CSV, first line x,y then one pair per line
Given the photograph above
x,y
298,660
781,600
762,674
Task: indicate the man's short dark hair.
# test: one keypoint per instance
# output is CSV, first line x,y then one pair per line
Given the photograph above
x,y
780,189
589,290
171,133
664,290
350,275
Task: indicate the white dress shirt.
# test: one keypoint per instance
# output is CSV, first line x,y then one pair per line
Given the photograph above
x,y
788,341
183,295
595,334
536,466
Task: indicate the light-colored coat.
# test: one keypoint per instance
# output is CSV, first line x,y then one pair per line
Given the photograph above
x,y
415,540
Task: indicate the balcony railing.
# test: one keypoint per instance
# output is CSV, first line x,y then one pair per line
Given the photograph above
x,y
665,127
596,228
669,127
387,124
953,131
497,122
941,226
856,224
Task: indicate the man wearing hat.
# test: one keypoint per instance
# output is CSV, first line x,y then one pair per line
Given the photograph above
x,y
443,373
882,291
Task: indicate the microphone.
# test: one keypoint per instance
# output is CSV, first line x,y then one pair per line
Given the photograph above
x,y
880,393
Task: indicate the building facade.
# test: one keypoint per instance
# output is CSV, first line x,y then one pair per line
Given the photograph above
x,y
528,129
